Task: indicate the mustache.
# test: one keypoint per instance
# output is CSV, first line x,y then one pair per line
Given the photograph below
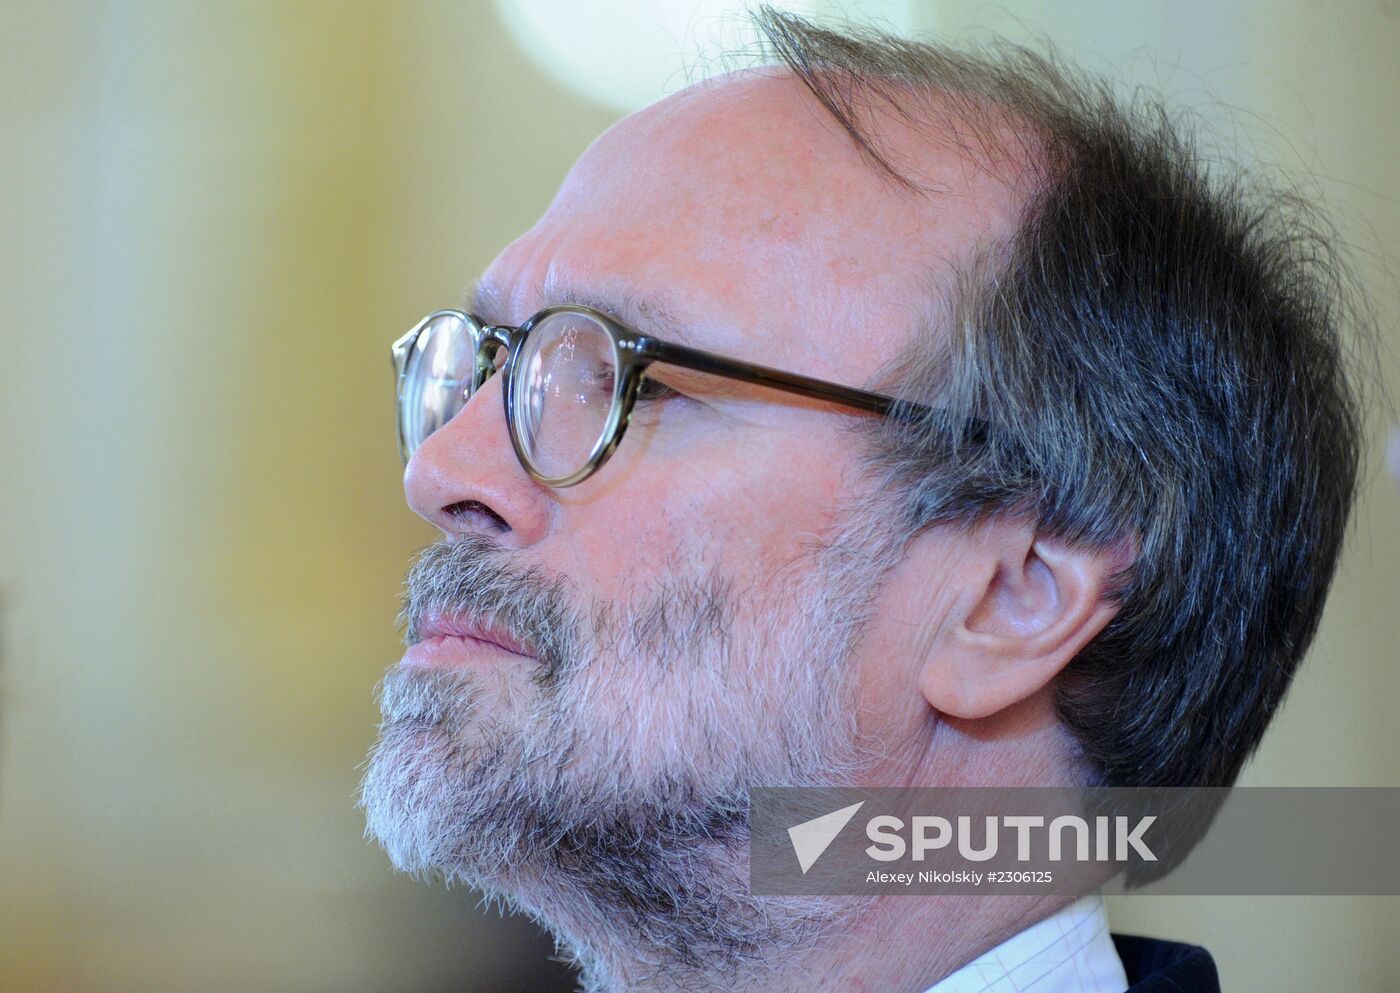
x,y
471,575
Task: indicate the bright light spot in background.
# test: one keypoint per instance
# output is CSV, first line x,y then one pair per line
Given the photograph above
x,y
627,53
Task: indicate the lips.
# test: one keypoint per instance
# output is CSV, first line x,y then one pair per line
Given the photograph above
x,y
436,626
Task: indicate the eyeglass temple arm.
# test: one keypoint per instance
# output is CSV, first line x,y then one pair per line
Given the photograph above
x,y
789,382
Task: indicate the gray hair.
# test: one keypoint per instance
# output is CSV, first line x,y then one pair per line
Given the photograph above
x,y
1159,352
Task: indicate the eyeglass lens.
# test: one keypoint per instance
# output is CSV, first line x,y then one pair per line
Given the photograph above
x,y
437,377
564,384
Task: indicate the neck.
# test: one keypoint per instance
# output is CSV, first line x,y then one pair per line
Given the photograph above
x,y
895,945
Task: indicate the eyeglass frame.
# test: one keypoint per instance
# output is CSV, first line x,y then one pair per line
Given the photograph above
x,y
633,354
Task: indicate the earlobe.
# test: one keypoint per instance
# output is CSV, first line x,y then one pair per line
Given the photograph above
x,y
1032,607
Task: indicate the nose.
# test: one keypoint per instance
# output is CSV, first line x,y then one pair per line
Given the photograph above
x,y
466,477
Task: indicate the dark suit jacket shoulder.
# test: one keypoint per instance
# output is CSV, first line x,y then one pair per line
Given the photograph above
x,y
1155,966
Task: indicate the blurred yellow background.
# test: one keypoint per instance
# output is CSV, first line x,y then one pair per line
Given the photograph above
x,y
216,217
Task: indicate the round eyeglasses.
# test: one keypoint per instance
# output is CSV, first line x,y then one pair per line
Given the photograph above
x,y
571,376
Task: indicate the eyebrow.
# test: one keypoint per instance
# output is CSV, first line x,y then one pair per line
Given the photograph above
x,y
642,313
721,374
488,301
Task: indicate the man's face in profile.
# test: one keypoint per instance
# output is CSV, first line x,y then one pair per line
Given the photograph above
x,y
600,673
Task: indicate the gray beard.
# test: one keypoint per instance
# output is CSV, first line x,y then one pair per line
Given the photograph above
x,y
605,793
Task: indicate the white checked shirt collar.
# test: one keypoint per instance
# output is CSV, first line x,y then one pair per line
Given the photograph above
x,y
1070,951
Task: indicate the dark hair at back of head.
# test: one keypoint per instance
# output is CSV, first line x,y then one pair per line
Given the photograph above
x,y
1160,351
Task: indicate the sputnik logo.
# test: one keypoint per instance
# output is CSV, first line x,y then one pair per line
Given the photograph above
x,y
811,838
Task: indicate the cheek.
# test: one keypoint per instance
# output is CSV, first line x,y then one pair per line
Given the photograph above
x,y
757,506
746,509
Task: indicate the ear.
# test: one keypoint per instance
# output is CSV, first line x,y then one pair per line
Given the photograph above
x,y
1027,606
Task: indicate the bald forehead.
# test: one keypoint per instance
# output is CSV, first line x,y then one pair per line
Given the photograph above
x,y
764,136
741,190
